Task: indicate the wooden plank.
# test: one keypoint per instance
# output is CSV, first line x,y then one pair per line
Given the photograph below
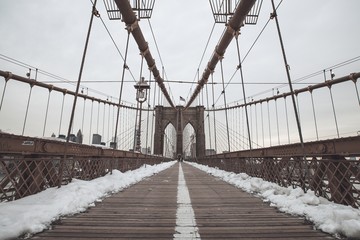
x,y
224,212
147,210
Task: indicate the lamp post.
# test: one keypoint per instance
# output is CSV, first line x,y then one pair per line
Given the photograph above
x,y
141,95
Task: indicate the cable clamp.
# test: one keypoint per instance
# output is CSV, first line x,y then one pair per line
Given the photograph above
x,y
143,53
352,77
151,68
131,27
212,70
273,15
9,76
218,55
95,12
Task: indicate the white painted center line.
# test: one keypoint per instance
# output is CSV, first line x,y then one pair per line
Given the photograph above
x,y
185,216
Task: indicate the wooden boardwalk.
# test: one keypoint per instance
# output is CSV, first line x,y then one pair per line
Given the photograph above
x,y
147,210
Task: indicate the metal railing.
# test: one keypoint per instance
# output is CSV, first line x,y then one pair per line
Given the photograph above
x,y
334,176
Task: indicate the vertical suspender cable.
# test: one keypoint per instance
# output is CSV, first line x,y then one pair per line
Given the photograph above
x,y
298,106
153,119
226,113
250,124
287,120
277,122
27,109
269,122
213,106
47,110
94,12
256,122
97,121
243,88
61,113
313,107
243,126
3,94
103,122
112,121
357,93
274,15
262,125
333,107
83,118
91,116
356,89
121,89
208,113
108,131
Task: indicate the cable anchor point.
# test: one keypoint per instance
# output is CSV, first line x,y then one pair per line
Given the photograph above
x,y
273,15
96,12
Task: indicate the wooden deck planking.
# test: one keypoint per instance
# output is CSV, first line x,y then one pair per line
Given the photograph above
x,y
224,212
147,210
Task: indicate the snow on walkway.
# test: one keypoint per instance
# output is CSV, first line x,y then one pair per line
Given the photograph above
x,y
35,213
328,216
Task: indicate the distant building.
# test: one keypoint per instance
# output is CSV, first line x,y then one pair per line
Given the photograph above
x,y
96,139
113,145
79,137
210,152
72,138
62,136
146,150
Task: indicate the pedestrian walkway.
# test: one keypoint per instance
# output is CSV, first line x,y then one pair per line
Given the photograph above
x,y
155,209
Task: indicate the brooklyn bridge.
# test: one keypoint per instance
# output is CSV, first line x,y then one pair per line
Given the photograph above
x,y
226,119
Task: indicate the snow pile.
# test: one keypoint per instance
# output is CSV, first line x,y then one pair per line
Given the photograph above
x,y
328,216
35,213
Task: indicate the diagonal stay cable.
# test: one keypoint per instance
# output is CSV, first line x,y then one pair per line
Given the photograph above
x,y
116,46
161,61
202,58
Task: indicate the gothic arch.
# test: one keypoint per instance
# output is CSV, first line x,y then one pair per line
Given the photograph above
x,y
179,119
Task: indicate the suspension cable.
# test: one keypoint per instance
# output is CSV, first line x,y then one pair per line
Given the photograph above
x,y
313,108
243,86
226,114
46,112
91,116
94,12
202,58
213,107
121,88
27,109
61,113
287,120
161,61
277,121
269,122
83,117
3,93
274,15
207,102
333,108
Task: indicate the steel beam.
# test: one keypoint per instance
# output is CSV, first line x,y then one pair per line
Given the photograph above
x,y
232,28
129,17
33,82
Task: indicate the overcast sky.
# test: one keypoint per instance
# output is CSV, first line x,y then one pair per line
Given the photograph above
x,y
50,35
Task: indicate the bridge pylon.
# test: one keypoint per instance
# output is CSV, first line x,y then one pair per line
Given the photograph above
x,y
179,118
